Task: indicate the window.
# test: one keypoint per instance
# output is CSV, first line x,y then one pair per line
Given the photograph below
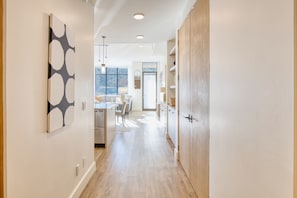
x,y
113,82
149,67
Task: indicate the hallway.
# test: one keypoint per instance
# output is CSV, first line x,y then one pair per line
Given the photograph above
x,y
139,163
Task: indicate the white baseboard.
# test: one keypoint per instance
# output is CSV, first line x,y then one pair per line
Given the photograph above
x,y
83,182
176,154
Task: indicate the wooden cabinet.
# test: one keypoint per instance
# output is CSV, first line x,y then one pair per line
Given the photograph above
x,y
194,96
99,116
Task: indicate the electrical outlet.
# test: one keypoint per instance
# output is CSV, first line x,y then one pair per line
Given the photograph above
x,y
77,170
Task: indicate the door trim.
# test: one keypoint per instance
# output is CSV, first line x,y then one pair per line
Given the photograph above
x,y
295,100
2,156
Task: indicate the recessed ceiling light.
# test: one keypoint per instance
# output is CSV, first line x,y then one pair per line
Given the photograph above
x,y
138,16
139,36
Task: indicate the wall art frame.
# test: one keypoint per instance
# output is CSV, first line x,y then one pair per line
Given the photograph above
x,y
61,75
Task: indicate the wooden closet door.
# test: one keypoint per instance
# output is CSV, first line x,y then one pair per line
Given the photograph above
x,y
1,107
200,98
184,95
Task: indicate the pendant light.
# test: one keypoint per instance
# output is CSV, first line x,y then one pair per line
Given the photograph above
x,y
103,47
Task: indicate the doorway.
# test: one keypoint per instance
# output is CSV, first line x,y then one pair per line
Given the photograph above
x,y
149,91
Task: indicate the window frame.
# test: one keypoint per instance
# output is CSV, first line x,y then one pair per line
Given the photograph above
x,y
106,74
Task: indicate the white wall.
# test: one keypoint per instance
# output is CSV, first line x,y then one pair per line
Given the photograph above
x,y
41,164
136,93
251,99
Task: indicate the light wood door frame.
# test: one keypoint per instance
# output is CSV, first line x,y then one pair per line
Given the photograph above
x,y
1,107
184,95
295,99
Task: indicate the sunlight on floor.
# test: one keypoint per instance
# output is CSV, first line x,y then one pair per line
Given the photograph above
x,y
139,163
135,119
127,123
149,120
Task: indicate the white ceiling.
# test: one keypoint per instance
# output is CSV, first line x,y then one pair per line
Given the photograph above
x,y
123,54
114,19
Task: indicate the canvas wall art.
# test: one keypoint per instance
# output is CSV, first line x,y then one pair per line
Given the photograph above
x,y
61,75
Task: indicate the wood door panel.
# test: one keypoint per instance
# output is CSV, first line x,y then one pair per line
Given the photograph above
x,y
184,92
1,108
295,98
200,98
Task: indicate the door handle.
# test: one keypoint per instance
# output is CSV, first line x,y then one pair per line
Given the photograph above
x,y
194,119
189,117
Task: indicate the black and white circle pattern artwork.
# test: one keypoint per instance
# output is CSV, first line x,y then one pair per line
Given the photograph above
x,y
61,75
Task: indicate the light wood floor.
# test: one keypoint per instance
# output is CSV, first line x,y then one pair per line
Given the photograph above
x,y
98,152
139,164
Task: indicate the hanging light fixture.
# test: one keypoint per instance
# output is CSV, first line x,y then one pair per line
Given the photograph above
x,y
102,47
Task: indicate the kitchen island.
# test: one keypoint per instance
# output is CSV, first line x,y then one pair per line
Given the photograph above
x,y
105,120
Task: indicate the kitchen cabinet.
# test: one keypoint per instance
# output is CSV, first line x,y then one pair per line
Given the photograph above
x,y
185,96
104,121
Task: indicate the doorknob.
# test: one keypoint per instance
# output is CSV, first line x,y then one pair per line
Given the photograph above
x,y
194,119
189,117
